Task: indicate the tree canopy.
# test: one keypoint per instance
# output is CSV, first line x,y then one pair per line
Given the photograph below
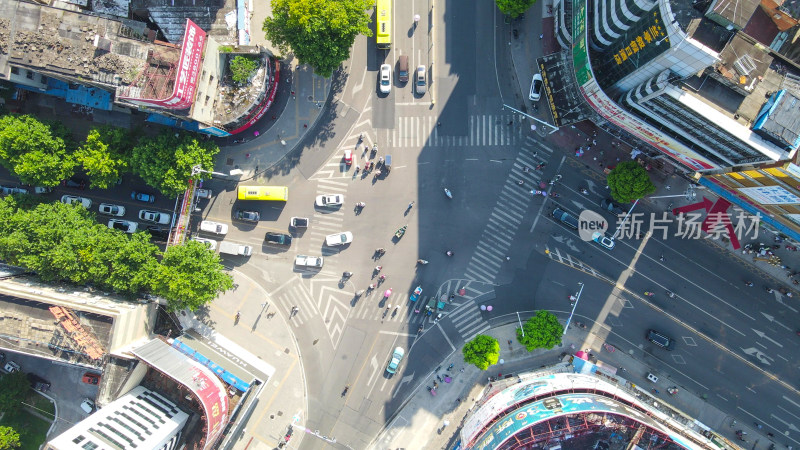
x,y
104,156
541,331
13,388
166,162
629,181
319,32
30,150
64,242
482,351
242,68
513,8
189,276
9,438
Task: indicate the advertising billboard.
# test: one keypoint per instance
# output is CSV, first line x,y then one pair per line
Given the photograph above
x,y
607,108
186,74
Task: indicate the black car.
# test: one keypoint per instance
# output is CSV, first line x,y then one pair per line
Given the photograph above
x,y
660,339
278,238
247,216
608,204
37,382
74,182
158,233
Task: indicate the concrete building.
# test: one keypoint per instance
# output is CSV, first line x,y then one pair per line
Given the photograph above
x,y
591,408
104,61
139,419
685,82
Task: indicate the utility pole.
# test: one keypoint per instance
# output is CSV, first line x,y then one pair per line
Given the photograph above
x,y
574,305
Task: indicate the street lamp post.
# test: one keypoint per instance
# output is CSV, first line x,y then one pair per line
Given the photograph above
x,y
574,305
689,194
532,118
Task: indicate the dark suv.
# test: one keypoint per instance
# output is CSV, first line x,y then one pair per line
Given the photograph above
x,y
660,339
565,218
278,238
37,382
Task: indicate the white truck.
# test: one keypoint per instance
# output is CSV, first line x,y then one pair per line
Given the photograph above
x,y
231,248
308,261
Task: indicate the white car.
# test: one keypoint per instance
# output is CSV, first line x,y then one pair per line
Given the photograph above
x,y
342,238
203,193
386,78
210,243
329,200
155,217
213,227
603,240
112,210
87,406
72,199
394,363
536,88
123,225
13,190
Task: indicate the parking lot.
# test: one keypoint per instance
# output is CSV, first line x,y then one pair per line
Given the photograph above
x,y
66,387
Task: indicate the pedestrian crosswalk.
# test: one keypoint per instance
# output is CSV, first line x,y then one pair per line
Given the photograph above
x,y
321,298
508,213
483,130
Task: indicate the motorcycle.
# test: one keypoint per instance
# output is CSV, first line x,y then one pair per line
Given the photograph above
x,y
649,294
361,204
346,275
422,261
538,192
380,251
448,193
583,191
374,149
554,195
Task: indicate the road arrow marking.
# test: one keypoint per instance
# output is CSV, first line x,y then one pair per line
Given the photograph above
x,y
772,319
758,354
763,335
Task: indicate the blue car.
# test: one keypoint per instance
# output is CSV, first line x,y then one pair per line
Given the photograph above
x,y
142,197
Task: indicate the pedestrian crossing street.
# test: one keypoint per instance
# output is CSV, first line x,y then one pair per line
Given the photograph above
x,y
321,297
508,213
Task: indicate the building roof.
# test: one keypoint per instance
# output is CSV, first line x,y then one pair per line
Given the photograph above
x,y
209,15
139,419
737,12
204,384
75,45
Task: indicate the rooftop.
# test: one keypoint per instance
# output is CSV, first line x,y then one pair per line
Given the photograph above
x,y
107,52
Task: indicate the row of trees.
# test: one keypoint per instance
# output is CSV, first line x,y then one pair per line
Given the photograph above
x,y
14,387
540,331
65,242
44,153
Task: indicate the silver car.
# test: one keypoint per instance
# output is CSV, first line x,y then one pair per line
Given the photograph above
x,y
155,217
420,80
112,210
73,199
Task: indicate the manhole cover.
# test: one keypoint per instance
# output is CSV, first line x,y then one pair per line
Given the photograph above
x,y
311,98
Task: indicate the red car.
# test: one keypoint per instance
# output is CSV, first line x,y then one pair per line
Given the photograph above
x,y
91,378
348,157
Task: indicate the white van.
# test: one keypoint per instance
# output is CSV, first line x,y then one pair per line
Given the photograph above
x,y
87,406
213,227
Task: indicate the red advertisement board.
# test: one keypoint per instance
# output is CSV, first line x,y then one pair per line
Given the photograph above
x,y
182,96
215,403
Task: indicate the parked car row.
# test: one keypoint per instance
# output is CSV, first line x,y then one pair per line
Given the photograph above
x,y
385,76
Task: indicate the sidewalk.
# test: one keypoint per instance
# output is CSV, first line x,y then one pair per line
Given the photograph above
x,y
300,102
420,422
603,150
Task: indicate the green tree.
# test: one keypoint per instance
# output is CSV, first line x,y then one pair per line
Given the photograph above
x,y
9,438
13,388
482,351
629,181
319,32
166,162
32,152
541,331
190,276
103,156
513,8
242,68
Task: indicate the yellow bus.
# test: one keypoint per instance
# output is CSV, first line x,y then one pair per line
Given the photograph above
x,y
275,193
383,13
